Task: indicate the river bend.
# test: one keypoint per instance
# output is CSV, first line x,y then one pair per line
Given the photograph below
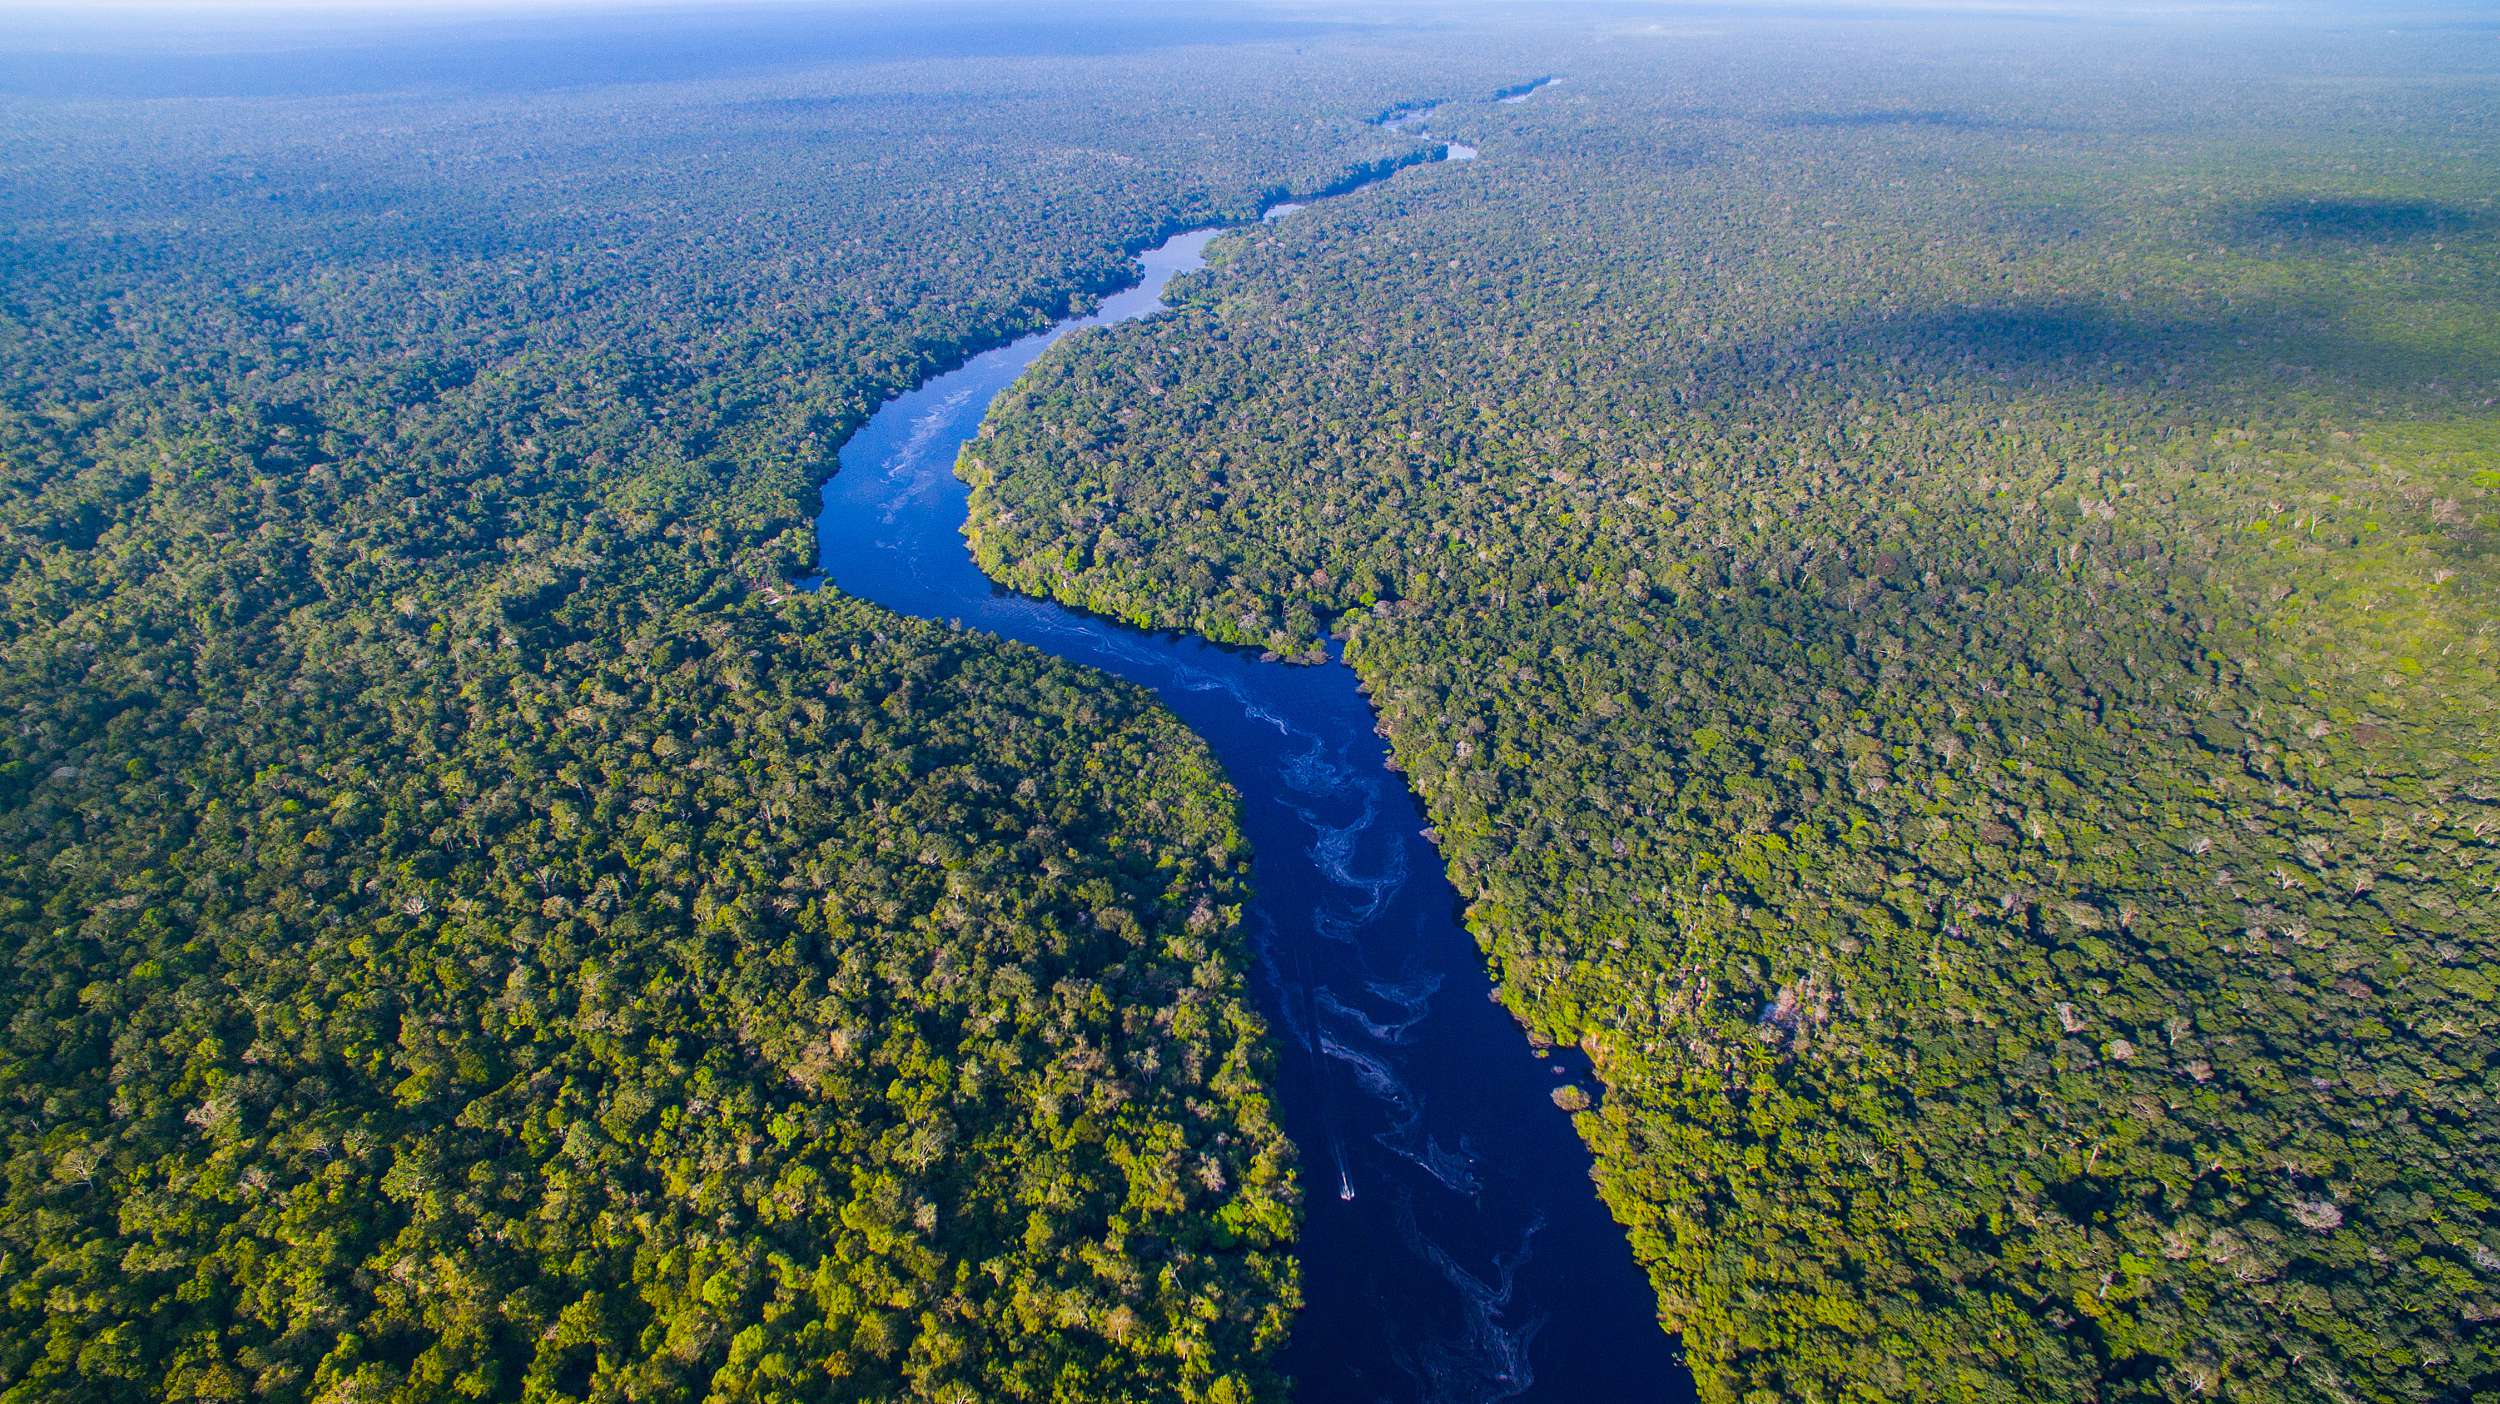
x,y
1453,1247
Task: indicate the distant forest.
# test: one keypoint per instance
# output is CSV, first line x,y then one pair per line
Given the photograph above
x,y
1939,588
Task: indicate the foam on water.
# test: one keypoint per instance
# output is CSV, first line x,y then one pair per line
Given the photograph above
x,y
1431,1110
1492,1360
1371,1028
1333,849
1413,995
1371,1074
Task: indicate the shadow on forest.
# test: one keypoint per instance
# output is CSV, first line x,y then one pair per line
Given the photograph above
x,y
2360,220
2208,359
1934,119
1943,119
1908,119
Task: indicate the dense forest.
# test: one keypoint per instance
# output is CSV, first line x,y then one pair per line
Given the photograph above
x,y
1939,590
469,927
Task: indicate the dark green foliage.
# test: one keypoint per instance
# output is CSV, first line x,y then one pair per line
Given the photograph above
x,y
1945,617
468,927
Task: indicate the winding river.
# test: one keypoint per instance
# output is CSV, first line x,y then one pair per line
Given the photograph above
x,y
1453,1247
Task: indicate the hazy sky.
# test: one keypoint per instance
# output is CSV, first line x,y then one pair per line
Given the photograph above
x,y
391,7
66,25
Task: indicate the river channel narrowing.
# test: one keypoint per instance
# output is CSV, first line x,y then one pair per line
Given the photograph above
x,y
1453,1247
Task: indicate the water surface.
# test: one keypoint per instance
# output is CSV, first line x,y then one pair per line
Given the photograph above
x,y
1453,1247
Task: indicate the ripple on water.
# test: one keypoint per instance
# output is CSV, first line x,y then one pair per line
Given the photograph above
x,y
1392,1102
1491,1359
1394,1034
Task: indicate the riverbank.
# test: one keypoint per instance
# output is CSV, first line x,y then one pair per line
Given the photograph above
x,y
1452,1246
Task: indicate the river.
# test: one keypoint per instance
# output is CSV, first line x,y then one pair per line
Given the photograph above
x,y
1453,1247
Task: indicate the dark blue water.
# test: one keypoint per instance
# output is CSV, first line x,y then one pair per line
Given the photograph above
x,y
1453,1247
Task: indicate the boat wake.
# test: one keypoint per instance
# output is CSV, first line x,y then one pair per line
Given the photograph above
x,y
1439,1125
